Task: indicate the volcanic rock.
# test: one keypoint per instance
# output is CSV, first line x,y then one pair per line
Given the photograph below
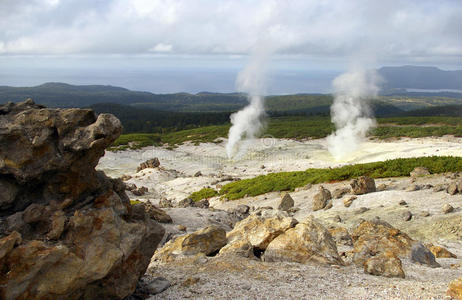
x,y
362,185
286,202
455,289
151,163
76,236
321,199
259,231
440,252
373,237
419,172
204,241
420,254
307,242
385,264
340,192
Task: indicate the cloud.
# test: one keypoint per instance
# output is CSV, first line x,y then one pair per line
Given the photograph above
x,y
331,28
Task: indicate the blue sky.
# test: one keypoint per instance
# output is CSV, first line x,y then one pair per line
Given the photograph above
x,y
80,38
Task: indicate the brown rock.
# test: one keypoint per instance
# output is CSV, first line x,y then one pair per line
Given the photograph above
x,y
340,192
341,236
385,264
7,243
321,199
156,213
204,241
440,252
373,237
447,208
363,185
307,242
455,289
348,201
151,163
452,188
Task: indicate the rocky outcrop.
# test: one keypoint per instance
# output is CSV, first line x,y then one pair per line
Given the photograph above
x,y
68,231
204,241
150,163
362,185
307,242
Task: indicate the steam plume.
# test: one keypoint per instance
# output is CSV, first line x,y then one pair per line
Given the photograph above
x,y
350,111
249,122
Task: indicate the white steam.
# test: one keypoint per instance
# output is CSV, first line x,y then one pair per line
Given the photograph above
x,y
248,123
350,111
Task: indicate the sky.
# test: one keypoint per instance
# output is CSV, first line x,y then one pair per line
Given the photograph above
x,y
195,45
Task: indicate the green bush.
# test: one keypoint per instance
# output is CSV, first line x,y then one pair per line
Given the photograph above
x,y
288,181
205,193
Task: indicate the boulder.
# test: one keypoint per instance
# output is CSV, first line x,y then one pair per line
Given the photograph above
x,y
362,185
421,255
321,199
76,236
455,289
307,242
205,241
440,252
419,172
373,237
259,231
385,264
340,192
286,202
241,248
452,188
150,163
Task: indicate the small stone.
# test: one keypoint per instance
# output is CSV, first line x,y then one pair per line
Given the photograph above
x,y
381,187
181,227
413,188
340,192
439,188
402,202
198,173
361,210
347,202
157,286
425,214
337,219
452,188
407,215
447,208
321,198
190,281
328,206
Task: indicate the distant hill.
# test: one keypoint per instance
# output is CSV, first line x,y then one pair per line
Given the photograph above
x,y
417,77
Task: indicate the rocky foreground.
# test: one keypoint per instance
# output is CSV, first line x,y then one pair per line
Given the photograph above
x,y
66,230
393,238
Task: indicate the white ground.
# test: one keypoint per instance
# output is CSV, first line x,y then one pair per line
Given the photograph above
x,y
247,279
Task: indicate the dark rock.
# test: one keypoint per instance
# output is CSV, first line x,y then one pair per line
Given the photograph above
x,y
340,192
402,202
204,203
165,203
198,173
286,202
187,202
420,254
407,215
140,191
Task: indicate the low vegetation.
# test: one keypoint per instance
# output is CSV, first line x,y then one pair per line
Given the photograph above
x,y
204,193
288,181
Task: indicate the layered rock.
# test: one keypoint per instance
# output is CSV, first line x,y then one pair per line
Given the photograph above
x,y
67,230
307,242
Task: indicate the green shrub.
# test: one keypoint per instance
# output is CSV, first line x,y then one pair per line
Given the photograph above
x,y
205,193
288,181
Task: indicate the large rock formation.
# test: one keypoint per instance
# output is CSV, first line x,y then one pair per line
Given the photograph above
x,y
67,231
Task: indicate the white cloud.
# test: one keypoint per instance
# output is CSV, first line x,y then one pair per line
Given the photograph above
x,y
161,48
330,28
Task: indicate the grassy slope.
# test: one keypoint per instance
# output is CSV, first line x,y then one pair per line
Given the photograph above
x,y
301,128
